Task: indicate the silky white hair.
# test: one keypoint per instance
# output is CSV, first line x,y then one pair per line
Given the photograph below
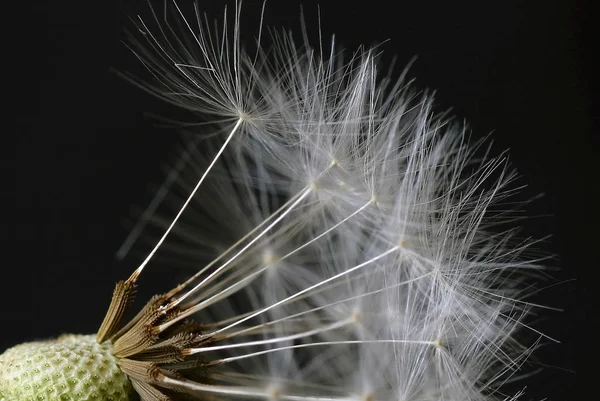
x,y
350,242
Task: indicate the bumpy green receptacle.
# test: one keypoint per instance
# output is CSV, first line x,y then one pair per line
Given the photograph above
x,y
72,367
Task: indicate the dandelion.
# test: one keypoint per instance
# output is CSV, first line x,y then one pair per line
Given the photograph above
x,y
346,240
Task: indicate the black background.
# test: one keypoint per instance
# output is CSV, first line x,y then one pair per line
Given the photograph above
x,y
86,153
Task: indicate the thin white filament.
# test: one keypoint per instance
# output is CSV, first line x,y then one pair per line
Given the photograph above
x,y
312,287
138,271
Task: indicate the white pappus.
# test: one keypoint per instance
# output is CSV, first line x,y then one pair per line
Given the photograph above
x,y
348,240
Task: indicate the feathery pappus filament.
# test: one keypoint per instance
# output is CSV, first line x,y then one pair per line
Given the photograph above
x,y
346,241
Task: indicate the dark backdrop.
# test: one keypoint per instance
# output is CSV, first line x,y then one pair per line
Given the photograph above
x,y
86,154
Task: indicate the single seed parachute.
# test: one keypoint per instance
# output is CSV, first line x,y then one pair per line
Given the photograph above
x,y
347,240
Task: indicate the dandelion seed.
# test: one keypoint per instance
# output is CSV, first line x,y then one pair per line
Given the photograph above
x,y
346,235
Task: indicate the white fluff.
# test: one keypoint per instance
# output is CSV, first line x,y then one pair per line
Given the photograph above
x,y
367,262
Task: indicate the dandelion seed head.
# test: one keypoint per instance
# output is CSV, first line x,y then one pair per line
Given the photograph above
x,y
340,234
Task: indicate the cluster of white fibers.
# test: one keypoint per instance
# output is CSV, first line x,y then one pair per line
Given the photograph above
x,y
353,232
